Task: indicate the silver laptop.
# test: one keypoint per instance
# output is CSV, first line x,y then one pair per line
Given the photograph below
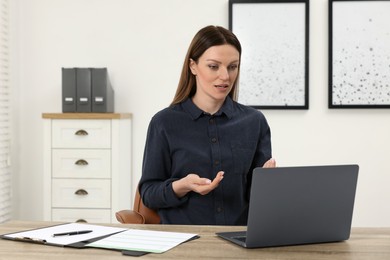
x,y
298,205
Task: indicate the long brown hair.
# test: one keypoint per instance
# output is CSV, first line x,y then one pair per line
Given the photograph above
x,y
207,37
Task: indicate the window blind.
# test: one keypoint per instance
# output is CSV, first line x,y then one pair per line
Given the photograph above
x,y
5,110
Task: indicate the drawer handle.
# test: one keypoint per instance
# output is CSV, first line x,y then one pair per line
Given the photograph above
x,y
81,221
81,132
81,162
81,192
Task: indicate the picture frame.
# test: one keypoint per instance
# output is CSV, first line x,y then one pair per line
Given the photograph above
x,y
359,54
274,35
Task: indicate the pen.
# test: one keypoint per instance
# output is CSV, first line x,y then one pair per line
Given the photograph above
x,y
72,233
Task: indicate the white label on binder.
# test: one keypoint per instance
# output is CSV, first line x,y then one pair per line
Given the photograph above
x,y
99,99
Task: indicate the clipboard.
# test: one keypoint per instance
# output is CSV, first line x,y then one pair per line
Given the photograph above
x,y
45,236
128,241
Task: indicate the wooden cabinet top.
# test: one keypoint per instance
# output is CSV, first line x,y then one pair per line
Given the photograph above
x,y
86,115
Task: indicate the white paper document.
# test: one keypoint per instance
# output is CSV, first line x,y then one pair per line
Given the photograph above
x,y
143,240
45,235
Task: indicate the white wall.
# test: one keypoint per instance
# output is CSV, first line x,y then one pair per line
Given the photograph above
x,y
143,44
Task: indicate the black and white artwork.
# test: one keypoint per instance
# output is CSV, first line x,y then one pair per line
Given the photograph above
x,y
359,54
274,60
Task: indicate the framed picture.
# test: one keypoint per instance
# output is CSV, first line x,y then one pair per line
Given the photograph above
x,y
359,54
274,35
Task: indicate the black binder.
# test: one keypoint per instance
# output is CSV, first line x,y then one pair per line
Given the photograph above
x,y
68,90
83,90
102,92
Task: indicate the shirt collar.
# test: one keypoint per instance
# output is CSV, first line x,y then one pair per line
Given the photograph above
x,y
227,108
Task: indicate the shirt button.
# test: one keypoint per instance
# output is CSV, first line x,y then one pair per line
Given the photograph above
x,y
213,140
211,121
216,162
219,209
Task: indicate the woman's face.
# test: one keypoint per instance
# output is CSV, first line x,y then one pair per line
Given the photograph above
x,y
215,72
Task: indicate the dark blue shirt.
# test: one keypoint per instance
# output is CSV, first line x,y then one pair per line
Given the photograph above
x,y
182,139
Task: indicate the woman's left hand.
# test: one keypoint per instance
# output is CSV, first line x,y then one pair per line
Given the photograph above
x,y
271,163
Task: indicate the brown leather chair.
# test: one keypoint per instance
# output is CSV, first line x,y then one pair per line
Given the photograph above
x,y
139,215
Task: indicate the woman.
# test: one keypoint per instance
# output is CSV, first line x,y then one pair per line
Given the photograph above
x,y
201,150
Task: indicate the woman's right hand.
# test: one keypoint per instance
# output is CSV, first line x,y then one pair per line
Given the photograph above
x,y
192,182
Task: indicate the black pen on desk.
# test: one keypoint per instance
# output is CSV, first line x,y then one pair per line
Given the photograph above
x,y
72,233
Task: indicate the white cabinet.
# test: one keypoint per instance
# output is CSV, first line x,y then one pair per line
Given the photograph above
x,y
87,166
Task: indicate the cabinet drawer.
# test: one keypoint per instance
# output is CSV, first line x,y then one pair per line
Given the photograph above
x,y
81,163
82,215
81,193
81,134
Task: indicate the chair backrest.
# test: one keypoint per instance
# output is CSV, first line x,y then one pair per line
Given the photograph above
x,y
151,216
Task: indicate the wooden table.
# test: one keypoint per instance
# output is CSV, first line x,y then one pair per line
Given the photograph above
x,y
365,243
